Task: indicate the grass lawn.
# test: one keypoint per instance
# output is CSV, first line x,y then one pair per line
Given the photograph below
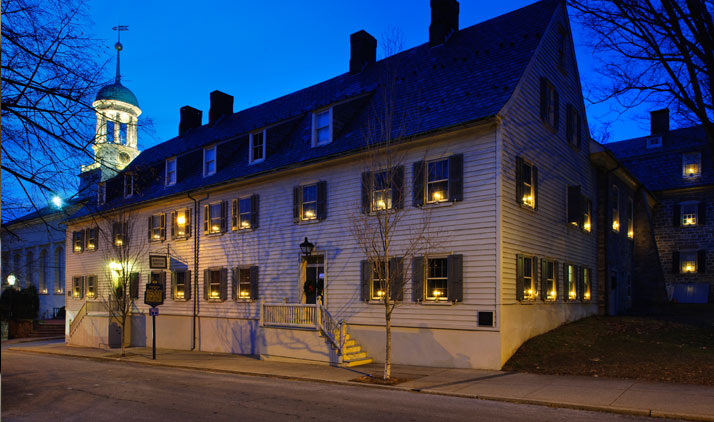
x,y
676,346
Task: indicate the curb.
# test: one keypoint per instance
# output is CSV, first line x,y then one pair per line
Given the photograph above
x,y
563,405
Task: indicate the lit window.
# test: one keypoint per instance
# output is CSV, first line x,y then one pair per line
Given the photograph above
x,y
257,147
615,209
549,104
587,214
689,214
128,185
242,212
209,161
171,171
181,224
92,239
630,219
381,191
44,270
77,284
550,287
526,178
437,181
528,276
437,278
243,283
91,287
215,218
571,278
379,273
180,284
688,262
59,271
214,284
157,227
119,234
691,165
102,193
78,241
309,202
321,123
586,284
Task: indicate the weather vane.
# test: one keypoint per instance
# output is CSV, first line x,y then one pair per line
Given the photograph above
x,y
118,46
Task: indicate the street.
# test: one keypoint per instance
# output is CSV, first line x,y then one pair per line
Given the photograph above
x,y
44,387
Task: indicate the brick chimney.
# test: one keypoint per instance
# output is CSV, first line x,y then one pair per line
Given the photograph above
x,y
444,21
190,119
363,51
221,105
659,122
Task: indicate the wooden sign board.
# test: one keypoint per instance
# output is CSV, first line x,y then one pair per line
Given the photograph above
x,y
158,262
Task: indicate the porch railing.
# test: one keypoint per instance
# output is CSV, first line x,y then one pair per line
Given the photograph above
x,y
332,329
73,324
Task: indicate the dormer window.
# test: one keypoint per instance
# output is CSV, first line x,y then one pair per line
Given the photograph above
x,y
171,171
209,161
322,127
128,185
102,193
691,165
654,142
257,147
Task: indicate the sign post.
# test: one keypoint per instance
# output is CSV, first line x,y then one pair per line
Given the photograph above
x,y
154,296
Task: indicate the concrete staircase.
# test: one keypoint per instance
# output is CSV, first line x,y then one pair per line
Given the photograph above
x,y
352,353
49,328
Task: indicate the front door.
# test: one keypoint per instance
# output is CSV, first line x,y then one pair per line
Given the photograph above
x,y
314,284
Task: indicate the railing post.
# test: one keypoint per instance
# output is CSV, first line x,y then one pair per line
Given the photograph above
x,y
318,305
261,317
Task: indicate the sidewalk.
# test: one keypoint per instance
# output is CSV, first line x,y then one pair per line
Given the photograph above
x,y
678,401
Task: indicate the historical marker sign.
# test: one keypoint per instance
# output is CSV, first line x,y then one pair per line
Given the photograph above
x,y
158,262
154,294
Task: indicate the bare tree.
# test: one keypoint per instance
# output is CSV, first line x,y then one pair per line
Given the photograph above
x,y
50,73
123,250
659,52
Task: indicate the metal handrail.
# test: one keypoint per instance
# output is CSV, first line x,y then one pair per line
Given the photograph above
x,y
331,328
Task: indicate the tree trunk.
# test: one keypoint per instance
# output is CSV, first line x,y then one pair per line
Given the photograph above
x,y
388,352
123,333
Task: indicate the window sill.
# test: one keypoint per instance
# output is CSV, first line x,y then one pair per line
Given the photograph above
x,y
438,204
258,161
215,300
243,300
439,303
59,293
181,238
180,300
313,221
527,207
248,230
214,234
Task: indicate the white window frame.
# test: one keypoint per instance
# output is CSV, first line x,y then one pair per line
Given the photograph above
x,y
587,284
251,158
128,193
183,285
374,278
303,214
530,290
214,218
315,142
685,222
210,284
170,181
241,215
240,285
215,160
157,229
688,159
445,293
91,294
385,194
529,194
445,195
95,233
551,280
570,280
694,264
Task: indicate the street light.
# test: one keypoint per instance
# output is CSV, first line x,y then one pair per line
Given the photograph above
x,y
306,247
57,201
11,279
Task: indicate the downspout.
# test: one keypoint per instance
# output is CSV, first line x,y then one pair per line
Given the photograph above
x,y
195,270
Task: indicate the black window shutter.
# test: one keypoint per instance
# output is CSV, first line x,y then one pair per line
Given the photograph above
x,y
519,277
254,283
163,227
173,284
455,281
224,283
81,287
534,172
366,191
569,123
398,188
418,182
162,281
556,109
296,204
224,216
456,177
83,234
254,211
150,227
134,285
365,276
188,289
188,215
556,279
543,287
543,108
702,261
396,275
206,218
575,204
564,283
206,276
125,233
519,180
234,215
173,224
702,214
581,283
74,236
675,262
676,218
321,200
417,278
235,273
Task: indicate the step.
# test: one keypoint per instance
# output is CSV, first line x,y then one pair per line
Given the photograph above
x,y
349,343
355,356
358,362
351,349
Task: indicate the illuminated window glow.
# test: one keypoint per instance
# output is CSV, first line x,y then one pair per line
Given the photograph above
x,y
379,273
243,284
437,277
437,182
530,291
688,262
309,202
550,287
615,209
691,165
689,214
381,191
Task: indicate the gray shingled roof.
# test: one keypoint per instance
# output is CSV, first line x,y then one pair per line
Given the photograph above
x,y
469,78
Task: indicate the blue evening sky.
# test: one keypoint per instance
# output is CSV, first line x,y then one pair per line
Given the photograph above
x,y
176,53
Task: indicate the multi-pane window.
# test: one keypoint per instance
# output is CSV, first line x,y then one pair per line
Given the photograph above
x,y
157,227
549,103
209,160
59,270
44,270
91,287
630,219
691,165
257,147
180,285
309,202
688,262
243,209
321,128
102,193
379,274
526,179
437,181
128,185
587,214
214,284
528,277
571,279
92,239
549,278
615,209
78,241
181,224
586,283
215,218
120,234
77,286
689,214
243,283
381,191
171,171
437,278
